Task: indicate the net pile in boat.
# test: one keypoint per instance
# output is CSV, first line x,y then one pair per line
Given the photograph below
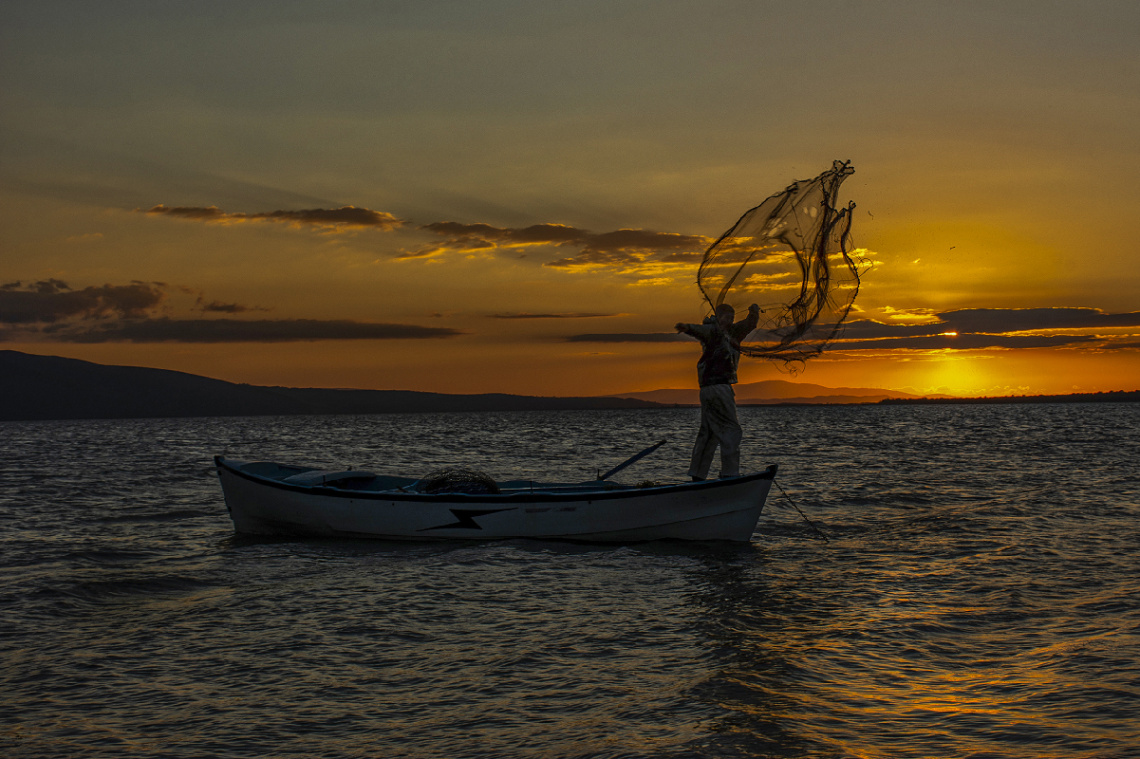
x,y
458,480
790,255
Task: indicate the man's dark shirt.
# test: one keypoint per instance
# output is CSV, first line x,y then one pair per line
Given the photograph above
x,y
721,349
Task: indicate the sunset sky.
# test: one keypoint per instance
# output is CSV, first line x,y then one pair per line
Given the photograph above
x,y
514,196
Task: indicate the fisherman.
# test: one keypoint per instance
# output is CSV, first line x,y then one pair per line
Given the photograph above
x,y
716,372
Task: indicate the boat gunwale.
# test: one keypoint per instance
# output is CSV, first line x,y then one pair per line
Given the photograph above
x,y
527,496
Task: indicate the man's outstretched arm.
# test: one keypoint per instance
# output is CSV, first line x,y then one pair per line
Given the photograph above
x,y
742,328
699,331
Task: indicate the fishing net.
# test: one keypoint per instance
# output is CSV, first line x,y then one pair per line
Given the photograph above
x,y
457,480
790,255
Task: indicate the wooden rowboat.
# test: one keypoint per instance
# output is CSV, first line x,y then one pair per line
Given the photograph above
x,y
266,498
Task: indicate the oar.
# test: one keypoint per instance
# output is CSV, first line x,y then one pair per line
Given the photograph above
x,y
633,459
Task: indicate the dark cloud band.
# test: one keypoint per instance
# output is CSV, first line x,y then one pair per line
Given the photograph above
x,y
964,342
629,337
50,310
995,321
575,315
52,300
167,330
967,329
328,218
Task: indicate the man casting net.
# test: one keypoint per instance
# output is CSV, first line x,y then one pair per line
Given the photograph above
x,y
790,255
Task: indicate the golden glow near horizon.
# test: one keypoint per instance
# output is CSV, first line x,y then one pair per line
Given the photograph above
x,y
467,200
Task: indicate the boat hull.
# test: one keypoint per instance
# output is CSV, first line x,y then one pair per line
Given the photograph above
x,y
725,509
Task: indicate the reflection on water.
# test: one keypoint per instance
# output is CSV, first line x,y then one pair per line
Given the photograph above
x,y
976,598
751,697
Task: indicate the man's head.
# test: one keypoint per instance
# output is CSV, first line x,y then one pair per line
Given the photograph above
x,y
725,315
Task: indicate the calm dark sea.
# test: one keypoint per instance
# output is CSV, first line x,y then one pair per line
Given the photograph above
x,y
978,596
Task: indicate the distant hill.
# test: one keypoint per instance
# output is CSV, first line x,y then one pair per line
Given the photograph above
x,y
779,391
50,387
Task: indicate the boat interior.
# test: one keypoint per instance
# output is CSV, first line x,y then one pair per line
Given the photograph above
x,y
364,481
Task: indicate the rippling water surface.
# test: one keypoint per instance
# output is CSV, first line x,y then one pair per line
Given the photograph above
x,y
977,597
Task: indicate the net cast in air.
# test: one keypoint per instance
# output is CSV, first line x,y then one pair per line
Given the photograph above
x,y
791,254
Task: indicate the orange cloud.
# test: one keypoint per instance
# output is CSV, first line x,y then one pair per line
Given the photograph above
x,y
629,250
622,248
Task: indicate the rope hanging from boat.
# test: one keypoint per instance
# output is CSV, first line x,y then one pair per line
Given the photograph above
x,y
810,523
790,254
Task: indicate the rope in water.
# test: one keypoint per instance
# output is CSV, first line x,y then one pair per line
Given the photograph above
x,y
797,508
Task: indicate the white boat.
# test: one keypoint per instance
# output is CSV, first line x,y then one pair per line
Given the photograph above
x,y
266,498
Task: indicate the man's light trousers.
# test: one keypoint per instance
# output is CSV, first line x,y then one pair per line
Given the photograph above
x,y
718,427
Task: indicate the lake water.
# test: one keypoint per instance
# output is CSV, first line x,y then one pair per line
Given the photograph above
x,y
977,597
